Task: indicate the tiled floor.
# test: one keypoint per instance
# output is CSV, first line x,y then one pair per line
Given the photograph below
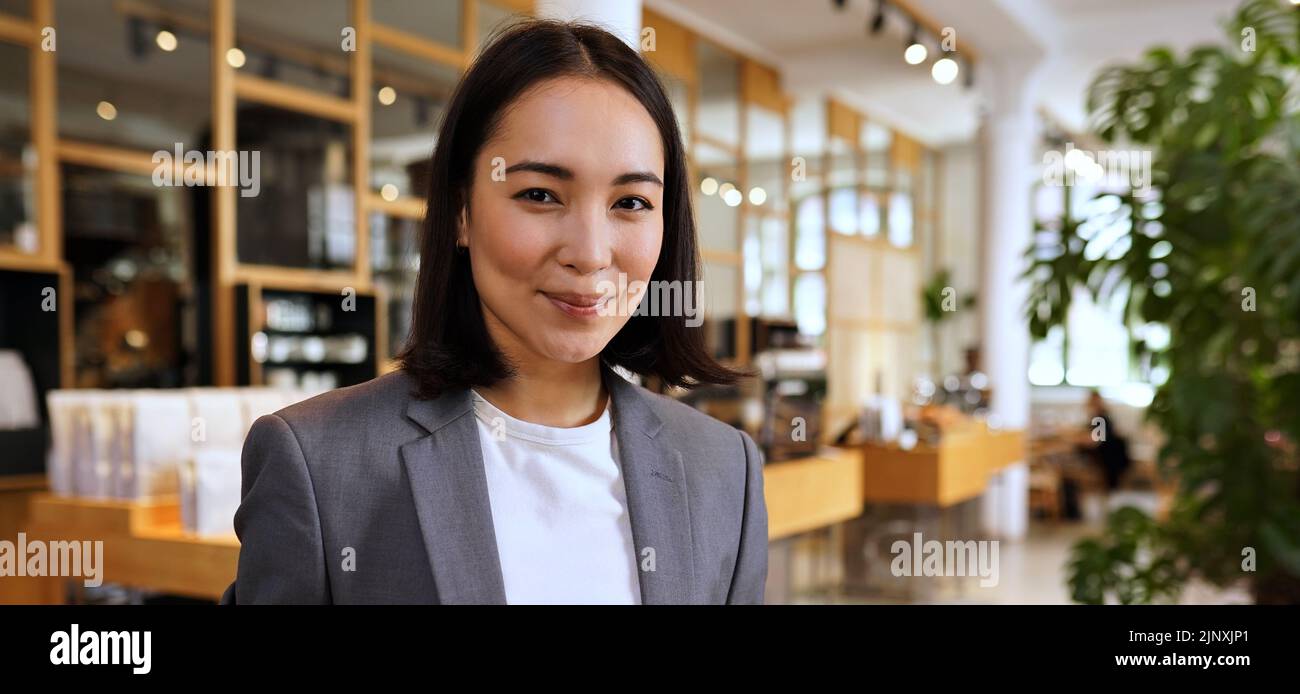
x,y
1031,571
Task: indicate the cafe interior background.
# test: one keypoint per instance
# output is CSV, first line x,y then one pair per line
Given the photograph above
x,y
878,226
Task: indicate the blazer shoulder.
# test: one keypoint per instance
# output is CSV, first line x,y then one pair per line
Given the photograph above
x,y
691,426
381,399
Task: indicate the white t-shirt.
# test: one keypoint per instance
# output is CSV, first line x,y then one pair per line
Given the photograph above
x,y
560,510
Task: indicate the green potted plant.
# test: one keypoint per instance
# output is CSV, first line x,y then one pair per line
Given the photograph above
x,y
1213,253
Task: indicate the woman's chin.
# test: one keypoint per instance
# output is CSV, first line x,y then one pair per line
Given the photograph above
x,y
573,351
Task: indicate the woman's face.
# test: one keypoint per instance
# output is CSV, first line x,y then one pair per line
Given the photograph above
x,y
566,198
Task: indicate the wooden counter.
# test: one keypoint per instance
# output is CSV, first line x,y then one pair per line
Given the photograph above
x,y
956,469
812,493
144,544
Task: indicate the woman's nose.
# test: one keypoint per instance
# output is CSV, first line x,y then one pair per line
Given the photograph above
x,y
585,244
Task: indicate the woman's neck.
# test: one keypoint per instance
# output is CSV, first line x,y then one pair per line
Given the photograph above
x,y
553,394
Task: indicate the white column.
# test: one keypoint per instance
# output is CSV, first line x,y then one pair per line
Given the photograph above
x,y
621,17
1010,141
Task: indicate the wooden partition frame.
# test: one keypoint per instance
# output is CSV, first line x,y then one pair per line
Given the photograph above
x,y
228,86
759,85
43,125
845,122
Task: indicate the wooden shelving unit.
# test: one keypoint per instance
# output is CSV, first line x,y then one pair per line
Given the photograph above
x,y
361,317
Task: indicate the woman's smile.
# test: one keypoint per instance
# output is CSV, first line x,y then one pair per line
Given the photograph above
x,y
577,305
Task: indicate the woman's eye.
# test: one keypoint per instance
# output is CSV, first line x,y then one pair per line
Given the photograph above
x,y
537,195
633,203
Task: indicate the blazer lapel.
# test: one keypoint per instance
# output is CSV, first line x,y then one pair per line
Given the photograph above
x,y
655,479
450,490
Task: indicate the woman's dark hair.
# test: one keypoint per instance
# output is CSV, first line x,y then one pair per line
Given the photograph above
x,y
449,346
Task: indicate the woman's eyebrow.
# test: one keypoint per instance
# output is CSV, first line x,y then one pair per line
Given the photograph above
x,y
566,174
638,177
542,168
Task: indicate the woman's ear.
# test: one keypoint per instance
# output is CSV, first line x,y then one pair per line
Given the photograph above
x,y
462,227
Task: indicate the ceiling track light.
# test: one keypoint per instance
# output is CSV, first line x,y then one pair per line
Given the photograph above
x,y
878,19
915,52
137,37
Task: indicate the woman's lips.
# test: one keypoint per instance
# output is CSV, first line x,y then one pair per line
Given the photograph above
x,y
577,305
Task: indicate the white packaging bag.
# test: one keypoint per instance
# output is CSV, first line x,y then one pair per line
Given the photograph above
x,y
216,491
63,406
260,401
162,442
218,417
96,457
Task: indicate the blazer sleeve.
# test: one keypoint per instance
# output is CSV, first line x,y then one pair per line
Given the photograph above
x,y
750,576
281,552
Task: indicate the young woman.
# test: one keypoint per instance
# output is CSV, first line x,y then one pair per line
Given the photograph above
x,y
506,461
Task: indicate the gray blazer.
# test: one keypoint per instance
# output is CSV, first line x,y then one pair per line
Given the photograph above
x,y
368,495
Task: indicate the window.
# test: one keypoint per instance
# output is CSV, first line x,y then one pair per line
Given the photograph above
x,y
1094,348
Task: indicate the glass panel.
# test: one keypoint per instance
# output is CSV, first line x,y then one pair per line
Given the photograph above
x,y
903,179
928,186
284,41
679,96
900,219
808,126
717,208
773,233
843,165
753,252
410,97
721,303
810,234
1047,359
493,18
17,156
806,176
869,214
808,132
395,261
120,87
719,105
435,20
1099,341
844,213
810,303
765,158
303,214
128,244
876,140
